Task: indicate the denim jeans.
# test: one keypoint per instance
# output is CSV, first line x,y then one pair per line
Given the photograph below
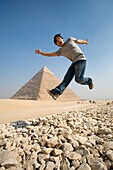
x,y
76,69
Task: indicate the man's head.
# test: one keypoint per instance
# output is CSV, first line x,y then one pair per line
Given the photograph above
x,y
58,40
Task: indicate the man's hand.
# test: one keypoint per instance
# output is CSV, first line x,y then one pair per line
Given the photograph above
x,y
86,41
37,51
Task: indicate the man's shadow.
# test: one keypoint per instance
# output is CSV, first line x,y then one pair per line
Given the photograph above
x,y
19,124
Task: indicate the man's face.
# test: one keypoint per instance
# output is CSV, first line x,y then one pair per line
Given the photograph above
x,y
59,41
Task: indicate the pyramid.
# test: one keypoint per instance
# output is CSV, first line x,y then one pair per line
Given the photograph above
x,y
36,88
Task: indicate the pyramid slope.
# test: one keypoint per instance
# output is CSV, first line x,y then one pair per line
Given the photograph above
x,y
30,90
36,88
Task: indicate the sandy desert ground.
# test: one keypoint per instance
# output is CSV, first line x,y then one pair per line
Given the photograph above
x,y
13,110
78,136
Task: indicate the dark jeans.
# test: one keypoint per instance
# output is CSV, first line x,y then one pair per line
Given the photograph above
x,y
76,69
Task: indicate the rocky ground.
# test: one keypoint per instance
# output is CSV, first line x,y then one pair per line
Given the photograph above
x,y
75,140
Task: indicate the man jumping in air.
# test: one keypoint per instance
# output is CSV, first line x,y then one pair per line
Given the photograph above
x,y
70,50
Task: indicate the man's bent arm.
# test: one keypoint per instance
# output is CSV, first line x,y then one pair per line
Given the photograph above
x,y
37,51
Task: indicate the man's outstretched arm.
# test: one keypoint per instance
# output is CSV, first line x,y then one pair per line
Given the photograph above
x,y
82,41
38,51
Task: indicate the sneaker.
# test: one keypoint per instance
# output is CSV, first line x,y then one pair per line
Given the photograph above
x,y
91,85
53,94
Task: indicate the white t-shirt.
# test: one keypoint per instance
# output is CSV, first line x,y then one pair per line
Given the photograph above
x,y
71,50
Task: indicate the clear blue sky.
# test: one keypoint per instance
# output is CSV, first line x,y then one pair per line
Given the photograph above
x,y
28,24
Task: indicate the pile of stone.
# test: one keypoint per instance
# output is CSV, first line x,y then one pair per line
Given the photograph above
x,y
75,140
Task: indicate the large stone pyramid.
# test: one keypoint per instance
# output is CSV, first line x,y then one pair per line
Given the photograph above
x,y
36,88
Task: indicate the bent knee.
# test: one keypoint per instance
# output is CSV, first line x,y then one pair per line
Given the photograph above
x,y
78,79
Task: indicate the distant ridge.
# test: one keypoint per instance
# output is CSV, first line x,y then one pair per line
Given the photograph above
x,y
36,88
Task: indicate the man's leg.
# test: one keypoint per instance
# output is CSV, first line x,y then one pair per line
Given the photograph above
x,y
67,79
80,67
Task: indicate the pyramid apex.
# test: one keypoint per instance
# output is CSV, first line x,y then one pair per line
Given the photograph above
x,y
45,69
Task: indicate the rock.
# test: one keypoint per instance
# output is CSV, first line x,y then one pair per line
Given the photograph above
x,y
92,121
97,164
52,142
2,143
50,165
110,155
108,164
73,142
84,166
42,157
2,168
75,163
89,158
108,145
28,165
42,140
104,131
46,150
73,156
64,165
64,131
8,158
93,139
108,103
82,150
81,139
67,147
36,147
72,168
57,152
42,166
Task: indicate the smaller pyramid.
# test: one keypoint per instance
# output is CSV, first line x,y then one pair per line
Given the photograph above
x,y
36,88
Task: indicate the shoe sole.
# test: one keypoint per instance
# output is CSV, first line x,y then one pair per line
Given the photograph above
x,y
54,97
91,86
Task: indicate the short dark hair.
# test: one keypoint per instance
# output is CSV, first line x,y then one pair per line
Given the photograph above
x,y
57,35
